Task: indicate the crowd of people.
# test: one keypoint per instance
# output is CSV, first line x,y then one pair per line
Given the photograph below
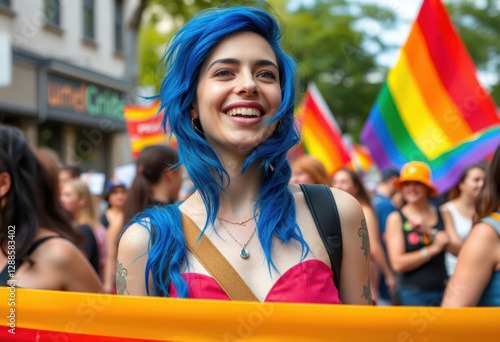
x,y
251,208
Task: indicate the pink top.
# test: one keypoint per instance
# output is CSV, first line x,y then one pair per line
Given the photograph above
x,y
310,281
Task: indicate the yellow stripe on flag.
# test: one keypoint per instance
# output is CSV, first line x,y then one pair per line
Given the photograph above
x,y
418,120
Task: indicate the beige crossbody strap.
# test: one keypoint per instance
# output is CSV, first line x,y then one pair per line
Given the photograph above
x,y
213,261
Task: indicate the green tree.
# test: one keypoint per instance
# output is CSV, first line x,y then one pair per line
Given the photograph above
x,y
479,28
336,51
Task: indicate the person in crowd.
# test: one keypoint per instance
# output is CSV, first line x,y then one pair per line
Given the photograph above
x,y
383,206
35,231
157,183
157,180
228,96
309,170
116,197
350,182
67,172
417,237
76,198
476,280
461,206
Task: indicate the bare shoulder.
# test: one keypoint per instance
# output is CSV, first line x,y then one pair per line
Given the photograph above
x,y
136,237
59,252
393,218
444,208
348,207
484,234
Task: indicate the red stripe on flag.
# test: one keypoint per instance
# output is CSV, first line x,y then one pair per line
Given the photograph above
x,y
461,84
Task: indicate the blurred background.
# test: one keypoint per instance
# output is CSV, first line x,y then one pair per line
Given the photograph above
x,y
68,67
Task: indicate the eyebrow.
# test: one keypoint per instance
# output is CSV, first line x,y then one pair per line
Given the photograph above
x,y
260,62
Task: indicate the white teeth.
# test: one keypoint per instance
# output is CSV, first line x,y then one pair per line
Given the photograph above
x,y
243,111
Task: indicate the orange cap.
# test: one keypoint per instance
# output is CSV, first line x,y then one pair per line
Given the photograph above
x,y
418,172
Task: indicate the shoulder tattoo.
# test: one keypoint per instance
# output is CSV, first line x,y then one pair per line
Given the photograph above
x,y
121,282
363,234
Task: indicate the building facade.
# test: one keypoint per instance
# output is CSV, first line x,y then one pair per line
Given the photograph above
x,y
69,77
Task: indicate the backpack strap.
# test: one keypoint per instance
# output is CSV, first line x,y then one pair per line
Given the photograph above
x,y
326,216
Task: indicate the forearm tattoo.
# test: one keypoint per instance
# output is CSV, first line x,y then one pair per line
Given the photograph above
x,y
367,291
363,234
121,282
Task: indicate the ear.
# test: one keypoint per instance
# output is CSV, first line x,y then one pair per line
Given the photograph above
x,y
193,111
5,183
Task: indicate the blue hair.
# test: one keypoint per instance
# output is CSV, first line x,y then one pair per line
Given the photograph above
x,y
275,207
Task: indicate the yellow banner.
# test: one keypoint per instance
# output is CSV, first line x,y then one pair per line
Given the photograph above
x,y
149,318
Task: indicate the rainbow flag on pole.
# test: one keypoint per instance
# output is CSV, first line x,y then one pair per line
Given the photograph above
x,y
432,107
321,135
144,127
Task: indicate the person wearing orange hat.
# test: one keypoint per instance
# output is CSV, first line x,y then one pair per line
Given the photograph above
x,y
416,238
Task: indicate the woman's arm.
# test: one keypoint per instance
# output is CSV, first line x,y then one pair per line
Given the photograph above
x,y
355,286
454,243
377,252
132,257
475,265
395,242
112,234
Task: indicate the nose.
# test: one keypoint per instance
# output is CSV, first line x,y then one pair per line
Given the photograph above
x,y
246,85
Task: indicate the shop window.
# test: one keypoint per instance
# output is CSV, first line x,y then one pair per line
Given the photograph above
x,y
118,25
53,12
88,19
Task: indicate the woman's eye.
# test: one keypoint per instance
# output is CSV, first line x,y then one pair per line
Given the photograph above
x,y
222,73
267,74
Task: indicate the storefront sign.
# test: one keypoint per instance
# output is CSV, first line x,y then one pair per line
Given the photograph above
x,y
84,98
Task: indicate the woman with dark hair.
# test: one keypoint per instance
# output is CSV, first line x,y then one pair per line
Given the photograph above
x,y
476,281
228,96
350,182
462,198
157,181
309,170
36,237
417,236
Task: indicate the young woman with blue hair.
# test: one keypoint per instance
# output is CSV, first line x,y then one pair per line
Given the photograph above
x,y
228,96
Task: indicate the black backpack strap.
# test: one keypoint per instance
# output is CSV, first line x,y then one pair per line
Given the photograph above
x,y
326,216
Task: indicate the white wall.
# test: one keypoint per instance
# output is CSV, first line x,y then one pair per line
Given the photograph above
x,y
28,32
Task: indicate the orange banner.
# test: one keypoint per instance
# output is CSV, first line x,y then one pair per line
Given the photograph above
x,y
67,316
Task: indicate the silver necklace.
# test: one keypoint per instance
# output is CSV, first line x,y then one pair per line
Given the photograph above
x,y
241,223
244,252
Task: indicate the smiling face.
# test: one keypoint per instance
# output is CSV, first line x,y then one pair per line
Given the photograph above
x,y
414,191
343,181
473,182
238,90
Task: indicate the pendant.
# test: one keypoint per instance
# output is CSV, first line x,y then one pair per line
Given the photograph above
x,y
244,253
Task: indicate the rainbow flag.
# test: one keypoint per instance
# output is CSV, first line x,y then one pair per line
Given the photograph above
x,y
144,127
432,107
361,159
321,136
